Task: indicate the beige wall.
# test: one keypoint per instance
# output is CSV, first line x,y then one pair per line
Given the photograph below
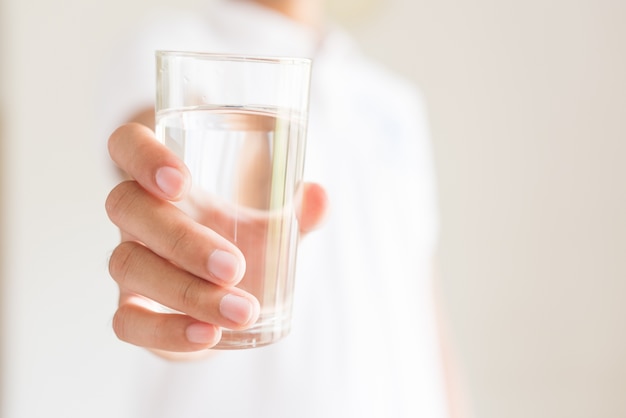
x,y
528,113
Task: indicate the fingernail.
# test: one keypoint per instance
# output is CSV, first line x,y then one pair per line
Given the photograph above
x,y
201,333
236,308
224,266
170,181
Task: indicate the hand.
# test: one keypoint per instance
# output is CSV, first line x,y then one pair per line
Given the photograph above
x,y
167,257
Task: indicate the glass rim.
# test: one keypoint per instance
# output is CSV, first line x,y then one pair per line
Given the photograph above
x,y
216,56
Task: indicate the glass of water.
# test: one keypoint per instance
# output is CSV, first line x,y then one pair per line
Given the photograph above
x,y
239,124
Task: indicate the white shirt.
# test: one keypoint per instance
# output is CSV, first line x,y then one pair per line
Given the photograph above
x,y
363,340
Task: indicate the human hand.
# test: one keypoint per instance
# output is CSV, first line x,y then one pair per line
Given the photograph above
x,y
170,258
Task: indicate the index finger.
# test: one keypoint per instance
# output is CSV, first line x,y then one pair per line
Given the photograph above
x,y
135,150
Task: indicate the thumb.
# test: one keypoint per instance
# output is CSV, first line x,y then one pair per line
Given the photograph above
x,y
314,207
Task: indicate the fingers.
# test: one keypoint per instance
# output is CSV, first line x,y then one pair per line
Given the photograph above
x,y
136,151
138,270
182,263
178,238
138,325
314,207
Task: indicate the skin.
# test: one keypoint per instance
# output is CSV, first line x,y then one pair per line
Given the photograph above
x,y
307,12
153,261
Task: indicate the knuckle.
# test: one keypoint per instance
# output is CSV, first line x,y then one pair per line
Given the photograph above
x,y
120,135
190,295
130,147
180,238
120,199
120,323
122,261
160,330
114,138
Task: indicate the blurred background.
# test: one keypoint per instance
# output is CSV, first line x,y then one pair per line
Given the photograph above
x,y
527,104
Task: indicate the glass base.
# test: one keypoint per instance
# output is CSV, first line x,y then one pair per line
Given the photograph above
x,y
265,331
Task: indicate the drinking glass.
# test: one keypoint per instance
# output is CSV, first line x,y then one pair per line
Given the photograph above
x,y
239,124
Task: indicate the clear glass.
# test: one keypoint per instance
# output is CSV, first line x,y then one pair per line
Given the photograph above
x,y
239,124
